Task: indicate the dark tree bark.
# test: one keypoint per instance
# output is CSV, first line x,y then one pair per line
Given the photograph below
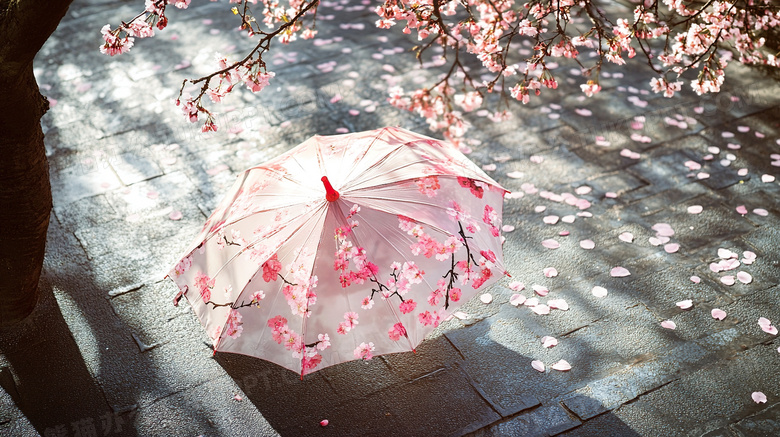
x,y
25,193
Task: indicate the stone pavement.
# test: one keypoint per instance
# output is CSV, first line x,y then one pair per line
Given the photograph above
x,y
106,353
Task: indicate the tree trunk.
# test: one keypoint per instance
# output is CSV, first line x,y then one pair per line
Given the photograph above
x,y
25,193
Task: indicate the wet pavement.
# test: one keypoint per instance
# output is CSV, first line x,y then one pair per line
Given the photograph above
x,y
106,353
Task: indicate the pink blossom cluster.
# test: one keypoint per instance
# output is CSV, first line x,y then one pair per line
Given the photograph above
x,y
350,321
183,266
397,331
428,185
491,218
292,341
365,351
429,246
204,284
431,318
300,295
346,252
271,268
233,325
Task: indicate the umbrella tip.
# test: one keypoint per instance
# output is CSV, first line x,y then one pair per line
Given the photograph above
x,y
330,194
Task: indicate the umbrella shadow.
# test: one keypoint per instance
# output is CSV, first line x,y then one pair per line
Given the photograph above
x,y
434,391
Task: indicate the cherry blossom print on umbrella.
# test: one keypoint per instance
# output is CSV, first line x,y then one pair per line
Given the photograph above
x,y
345,247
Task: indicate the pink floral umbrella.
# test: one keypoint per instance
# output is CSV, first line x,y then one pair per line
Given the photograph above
x,y
343,248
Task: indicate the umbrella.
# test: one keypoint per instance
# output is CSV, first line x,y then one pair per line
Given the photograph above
x,y
345,247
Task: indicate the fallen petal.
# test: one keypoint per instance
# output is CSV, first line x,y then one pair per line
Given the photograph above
x,y
238,398
558,304
695,209
726,254
766,178
515,174
728,280
175,215
695,279
761,212
561,366
551,244
550,272
537,365
507,228
516,286
548,341
486,298
619,272
741,209
744,277
685,304
324,422
541,309
628,237
668,324
587,244
599,291
671,247
550,219
531,302
460,315
763,321
718,314
758,397
517,299
541,290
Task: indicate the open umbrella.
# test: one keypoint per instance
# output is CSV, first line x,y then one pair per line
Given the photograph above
x,y
343,248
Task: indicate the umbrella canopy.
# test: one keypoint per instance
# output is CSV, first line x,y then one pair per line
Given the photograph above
x,y
343,248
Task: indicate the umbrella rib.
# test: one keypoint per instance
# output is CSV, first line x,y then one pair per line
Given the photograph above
x,y
363,156
415,202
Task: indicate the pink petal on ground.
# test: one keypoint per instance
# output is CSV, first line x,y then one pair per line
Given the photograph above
x,y
152,194
582,190
718,314
685,304
742,172
541,309
550,219
540,208
726,254
489,167
548,341
561,366
550,272
663,229
695,279
766,178
175,215
741,209
582,204
551,244
558,304
238,398
516,286
515,174
514,195
627,237
517,299
460,315
568,219
486,298
702,175
695,209
748,257
587,244
671,247
507,228
541,290
619,272
599,291
531,302
763,321
563,233
761,212
692,165
728,280
324,422
610,195
668,324
216,170
744,277
537,365
758,397
583,112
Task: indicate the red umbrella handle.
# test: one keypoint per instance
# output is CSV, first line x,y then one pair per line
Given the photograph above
x,y
331,194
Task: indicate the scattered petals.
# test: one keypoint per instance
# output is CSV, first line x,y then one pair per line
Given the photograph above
x,y
537,365
541,309
628,237
619,272
671,247
766,178
531,302
550,272
761,212
758,397
728,280
587,244
516,286
742,210
744,277
324,422
486,298
551,244
695,209
517,299
175,215
668,324
460,315
541,290
766,326
558,304
548,341
550,219
238,398
514,174
718,314
695,279
599,291
507,228
561,366
685,304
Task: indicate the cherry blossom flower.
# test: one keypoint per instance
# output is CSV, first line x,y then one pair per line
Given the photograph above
x,y
364,351
407,306
397,331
